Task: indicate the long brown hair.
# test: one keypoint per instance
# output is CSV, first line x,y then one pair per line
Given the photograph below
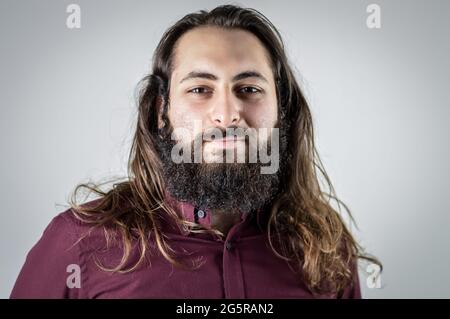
x,y
303,227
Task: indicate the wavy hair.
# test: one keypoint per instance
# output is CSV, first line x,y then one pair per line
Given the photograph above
x,y
303,227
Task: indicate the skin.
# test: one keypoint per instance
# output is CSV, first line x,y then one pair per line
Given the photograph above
x,y
222,101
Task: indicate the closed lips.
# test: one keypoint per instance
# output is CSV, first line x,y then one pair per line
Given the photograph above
x,y
230,140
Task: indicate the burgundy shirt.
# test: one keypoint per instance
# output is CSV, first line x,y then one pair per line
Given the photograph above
x,y
242,265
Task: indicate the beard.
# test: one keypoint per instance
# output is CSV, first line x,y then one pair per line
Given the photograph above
x,y
228,187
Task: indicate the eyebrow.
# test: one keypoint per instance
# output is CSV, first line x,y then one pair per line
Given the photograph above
x,y
237,77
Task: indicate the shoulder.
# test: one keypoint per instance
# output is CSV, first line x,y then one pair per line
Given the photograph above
x,y
59,237
64,226
58,252
64,235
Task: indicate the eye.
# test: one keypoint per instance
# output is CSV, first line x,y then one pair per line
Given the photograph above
x,y
198,90
249,90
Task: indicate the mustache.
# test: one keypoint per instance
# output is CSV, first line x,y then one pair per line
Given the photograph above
x,y
216,133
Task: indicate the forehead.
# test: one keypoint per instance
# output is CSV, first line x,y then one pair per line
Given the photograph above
x,y
220,51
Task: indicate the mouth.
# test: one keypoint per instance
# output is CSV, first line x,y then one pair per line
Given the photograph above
x,y
227,142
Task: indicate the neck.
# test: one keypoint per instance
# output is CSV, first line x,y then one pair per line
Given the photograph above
x,y
223,221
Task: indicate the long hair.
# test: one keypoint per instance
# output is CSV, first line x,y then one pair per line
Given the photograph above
x,y
303,227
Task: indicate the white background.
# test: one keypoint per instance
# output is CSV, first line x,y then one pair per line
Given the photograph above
x,y
379,98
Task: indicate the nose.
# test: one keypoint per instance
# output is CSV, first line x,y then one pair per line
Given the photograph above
x,y
225,110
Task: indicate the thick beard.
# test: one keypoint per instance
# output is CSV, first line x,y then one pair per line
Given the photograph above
x,y
227,187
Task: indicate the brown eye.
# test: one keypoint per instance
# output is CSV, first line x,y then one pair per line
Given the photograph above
x,y
249,90
198,90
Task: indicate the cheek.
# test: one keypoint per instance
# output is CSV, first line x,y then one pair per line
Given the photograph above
x,y
263,115
187,123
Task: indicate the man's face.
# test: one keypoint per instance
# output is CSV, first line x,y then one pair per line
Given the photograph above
x,y
221,78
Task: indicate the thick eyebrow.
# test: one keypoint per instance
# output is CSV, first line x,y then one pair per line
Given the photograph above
x,y
237,77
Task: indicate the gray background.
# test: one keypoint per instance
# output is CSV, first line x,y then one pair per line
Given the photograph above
x,y
379,97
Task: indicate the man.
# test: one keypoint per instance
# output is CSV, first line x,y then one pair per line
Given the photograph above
x,y
194,221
